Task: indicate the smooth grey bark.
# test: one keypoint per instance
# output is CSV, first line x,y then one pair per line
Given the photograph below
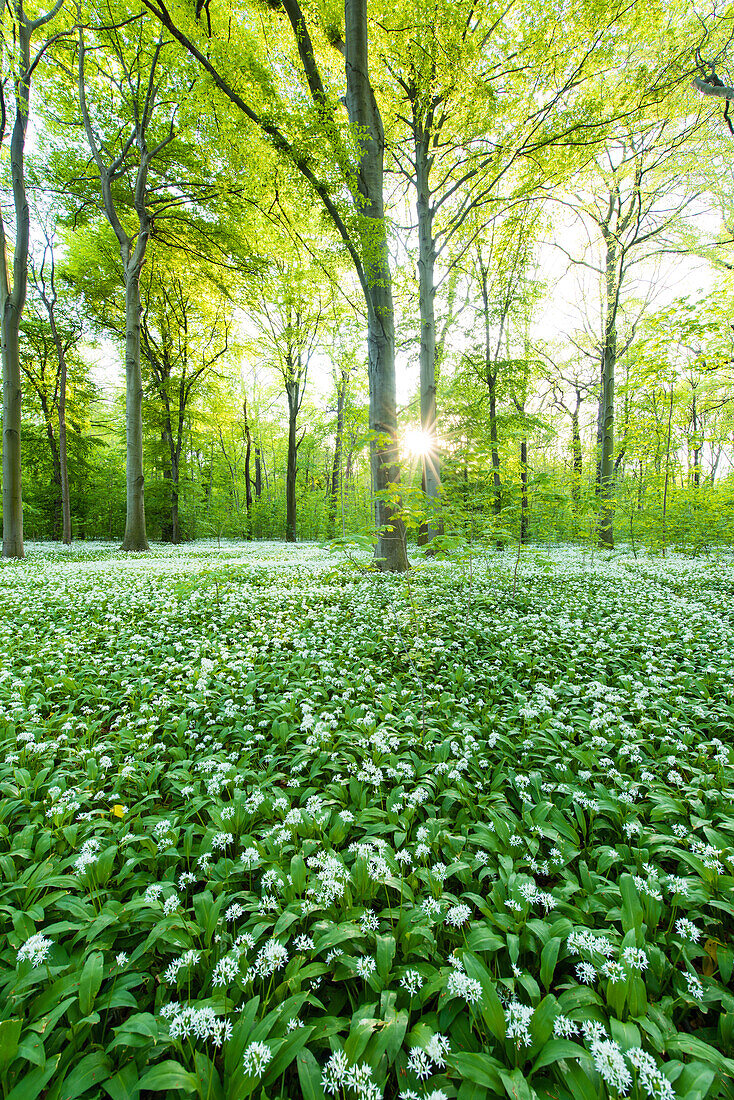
x,y
335,479
606,398
63,457
47,388
364,116
667,468
431,478
232,467
641,174
580,390
524,502
135,537
696,449
520,400
490,378
13,290
294,397
132,254
248,483
258,472
165,342
578,461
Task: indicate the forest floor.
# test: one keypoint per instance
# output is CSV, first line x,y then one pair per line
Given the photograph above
x,y
274,825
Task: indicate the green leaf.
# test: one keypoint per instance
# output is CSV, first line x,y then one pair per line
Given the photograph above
x,y
541,1024
548,959
135,1031
491,1007
482,1069
516,1085
87,1074
696,1048
9,1040
90,981
385,955
124,1084
298,873
168,1075
210,1085
556,1050
32,1084
288,1050
695,1081
31,1049
481,939
632,912
725,958
309,1076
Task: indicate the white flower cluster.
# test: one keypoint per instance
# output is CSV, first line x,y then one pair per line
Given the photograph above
x,y
35,949
256,1058
271,957
185,961
457,915
226,970
411,981
609,1059
533,896
201,1023
583,939
460,984
339,1074
517,1022
87,855
687,930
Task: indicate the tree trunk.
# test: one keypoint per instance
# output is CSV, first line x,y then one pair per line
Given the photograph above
x,y
63,460
13,299
167,441
606,410
431,479
210,483
667,469
494,442
524,508
490,377
55,465
258,473
12,500
336,467
172,530
292,463
175,514
135,535
696,445
364,116
577,459
248,483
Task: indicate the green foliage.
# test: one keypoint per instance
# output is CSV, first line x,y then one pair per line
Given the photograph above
x,y
268,820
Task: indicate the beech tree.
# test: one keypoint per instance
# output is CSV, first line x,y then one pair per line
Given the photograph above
x,y
635,203
47,372
355,165
17,38
285,304
183,338
489,108
137,81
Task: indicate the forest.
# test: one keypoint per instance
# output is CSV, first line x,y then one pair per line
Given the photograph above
x,y
256,286
367,583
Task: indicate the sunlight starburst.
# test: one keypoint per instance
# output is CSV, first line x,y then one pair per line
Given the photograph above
x,y
419,443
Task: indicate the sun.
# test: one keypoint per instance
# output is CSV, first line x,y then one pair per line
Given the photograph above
x,y
418,443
